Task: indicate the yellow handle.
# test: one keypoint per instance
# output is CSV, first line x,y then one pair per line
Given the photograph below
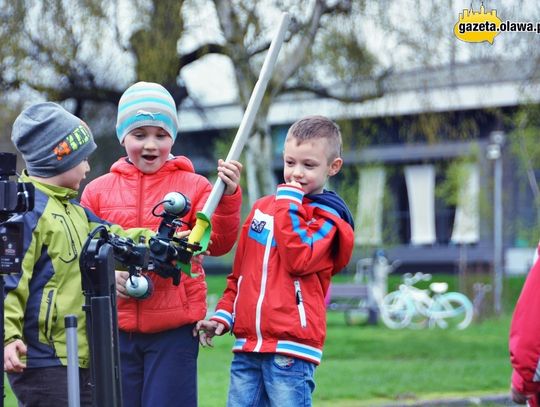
x,y
198,231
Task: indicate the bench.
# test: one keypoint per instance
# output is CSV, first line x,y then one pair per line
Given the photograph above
x,y
355,301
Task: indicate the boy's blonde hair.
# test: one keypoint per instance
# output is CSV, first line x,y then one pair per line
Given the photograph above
x,y
314,127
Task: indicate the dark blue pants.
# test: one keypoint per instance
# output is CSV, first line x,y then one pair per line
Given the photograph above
x,y
159,369
47,387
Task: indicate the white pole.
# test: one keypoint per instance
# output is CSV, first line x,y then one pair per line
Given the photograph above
x,y
250,113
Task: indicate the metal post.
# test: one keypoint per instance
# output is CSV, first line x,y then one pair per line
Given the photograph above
x,y
70,323
494,153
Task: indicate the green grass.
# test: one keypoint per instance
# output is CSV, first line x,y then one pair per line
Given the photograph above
x,y
369,365
9,400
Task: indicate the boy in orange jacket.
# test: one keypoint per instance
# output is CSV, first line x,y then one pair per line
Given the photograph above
x,y
157,351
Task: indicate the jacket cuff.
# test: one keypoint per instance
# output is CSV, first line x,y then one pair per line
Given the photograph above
x,y
223,317
11,338
290,193
229,204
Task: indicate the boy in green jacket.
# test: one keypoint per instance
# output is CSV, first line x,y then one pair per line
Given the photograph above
x,y
55,146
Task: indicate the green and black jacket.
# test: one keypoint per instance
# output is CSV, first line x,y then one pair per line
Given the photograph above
x,y
49,287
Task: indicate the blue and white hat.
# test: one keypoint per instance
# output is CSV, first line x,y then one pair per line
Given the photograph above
x,y
146,104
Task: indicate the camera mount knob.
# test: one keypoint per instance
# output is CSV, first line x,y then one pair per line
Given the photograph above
x,y
139,286
176,203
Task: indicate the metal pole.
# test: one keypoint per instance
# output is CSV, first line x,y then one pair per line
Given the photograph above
x,y
497,235
70,323
494,153
250,113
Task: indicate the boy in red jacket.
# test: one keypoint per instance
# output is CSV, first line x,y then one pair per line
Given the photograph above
x,y
157,351
290,246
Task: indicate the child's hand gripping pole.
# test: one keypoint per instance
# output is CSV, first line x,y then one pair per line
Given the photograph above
x,y
201,231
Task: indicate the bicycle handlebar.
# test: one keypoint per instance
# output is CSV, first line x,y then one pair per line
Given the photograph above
x,y
410,279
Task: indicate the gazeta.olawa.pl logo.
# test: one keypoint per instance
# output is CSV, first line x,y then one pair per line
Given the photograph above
x,y
480,26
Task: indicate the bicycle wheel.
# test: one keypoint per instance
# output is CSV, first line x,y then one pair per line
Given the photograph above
x,y
420,315
451,310
396,310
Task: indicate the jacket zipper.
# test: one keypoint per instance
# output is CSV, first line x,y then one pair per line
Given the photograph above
x,y
300,303
74,228
234,303
48,334
141,200
264,277
140,206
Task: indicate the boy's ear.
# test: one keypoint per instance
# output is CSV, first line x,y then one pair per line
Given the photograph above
x,y
335,166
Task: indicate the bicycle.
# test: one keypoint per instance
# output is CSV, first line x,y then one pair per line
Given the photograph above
x,y
412,307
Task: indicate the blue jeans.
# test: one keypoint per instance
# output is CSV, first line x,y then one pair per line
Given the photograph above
x,y
269,379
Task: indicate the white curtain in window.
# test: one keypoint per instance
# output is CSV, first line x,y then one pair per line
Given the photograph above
x,y
467,220
370,206
420,180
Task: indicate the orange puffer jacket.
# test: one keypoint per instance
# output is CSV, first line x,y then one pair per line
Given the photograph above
x,y
126,196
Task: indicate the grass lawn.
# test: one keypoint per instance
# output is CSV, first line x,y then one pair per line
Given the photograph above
x,y
368,365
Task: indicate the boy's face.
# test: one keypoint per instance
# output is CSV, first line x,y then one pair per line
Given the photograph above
x,y
148,148
308,164
72,178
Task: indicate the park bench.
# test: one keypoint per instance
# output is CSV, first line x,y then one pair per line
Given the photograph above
x,y
359,299
355,301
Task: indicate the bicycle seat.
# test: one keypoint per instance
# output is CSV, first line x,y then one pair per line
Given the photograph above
x,y
439,288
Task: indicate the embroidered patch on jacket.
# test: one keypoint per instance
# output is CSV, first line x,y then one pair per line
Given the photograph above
x,y
257,225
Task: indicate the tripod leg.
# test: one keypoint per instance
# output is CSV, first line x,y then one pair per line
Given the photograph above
x,y
74,397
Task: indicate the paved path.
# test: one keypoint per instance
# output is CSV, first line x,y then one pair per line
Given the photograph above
x,y
494,400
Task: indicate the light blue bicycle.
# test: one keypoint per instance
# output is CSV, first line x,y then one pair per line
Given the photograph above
x,y
416,308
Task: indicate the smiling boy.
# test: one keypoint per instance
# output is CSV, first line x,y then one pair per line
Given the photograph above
x,y
290,246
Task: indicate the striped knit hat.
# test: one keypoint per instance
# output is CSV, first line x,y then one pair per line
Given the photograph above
x,y
146,104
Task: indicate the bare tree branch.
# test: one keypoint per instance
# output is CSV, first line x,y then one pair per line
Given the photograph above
x,y
298,55
196,54
345,94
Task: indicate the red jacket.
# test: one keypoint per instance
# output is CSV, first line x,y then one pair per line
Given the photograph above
x,y
289,248
524,340
126,196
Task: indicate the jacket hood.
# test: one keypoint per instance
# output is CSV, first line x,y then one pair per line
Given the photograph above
x,y
125,167
335,202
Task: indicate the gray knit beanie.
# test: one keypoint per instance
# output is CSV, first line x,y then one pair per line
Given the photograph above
x,y
146,104
50,139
